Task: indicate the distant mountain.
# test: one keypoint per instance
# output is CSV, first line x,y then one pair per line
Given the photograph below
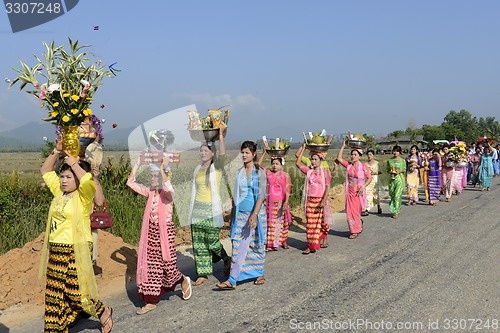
x,y
30,134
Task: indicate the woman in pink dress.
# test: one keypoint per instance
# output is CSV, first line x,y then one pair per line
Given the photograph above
x,y
317,207
358,176
157,271
279,186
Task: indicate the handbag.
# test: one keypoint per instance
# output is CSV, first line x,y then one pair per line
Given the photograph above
x,y
101,219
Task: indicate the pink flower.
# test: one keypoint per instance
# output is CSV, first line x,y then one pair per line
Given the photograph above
x,y
36,85
42,94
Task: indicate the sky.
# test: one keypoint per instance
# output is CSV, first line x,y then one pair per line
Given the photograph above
x,y
362,65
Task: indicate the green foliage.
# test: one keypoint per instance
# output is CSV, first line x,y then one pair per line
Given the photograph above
x,y
24,204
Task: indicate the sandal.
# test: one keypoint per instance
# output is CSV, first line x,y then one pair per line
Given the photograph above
x,y
201,280
146,308
260,280
107,325
189,292
395,216
379,211
307,251
365,213
285,246
226,285
353,236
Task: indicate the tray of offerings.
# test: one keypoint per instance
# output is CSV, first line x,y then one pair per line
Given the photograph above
x,y
204,134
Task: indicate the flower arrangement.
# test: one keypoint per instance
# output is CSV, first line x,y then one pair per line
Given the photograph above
x,y
458,153
65,81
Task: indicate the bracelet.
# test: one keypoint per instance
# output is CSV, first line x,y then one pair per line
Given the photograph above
x,y
55,151
72,165
257,214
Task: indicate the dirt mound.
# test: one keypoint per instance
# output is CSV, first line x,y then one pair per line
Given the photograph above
x,y
19,282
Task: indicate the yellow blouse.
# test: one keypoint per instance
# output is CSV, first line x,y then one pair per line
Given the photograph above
x,y
203,192
61,228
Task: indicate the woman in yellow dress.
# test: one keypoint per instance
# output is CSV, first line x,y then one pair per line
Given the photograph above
x,y
413,163
372,189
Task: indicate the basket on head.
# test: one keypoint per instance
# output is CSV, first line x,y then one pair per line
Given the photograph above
x,y
318,148
277,152
356,144
201,135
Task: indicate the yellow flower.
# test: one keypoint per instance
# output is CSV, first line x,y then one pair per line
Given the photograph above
x,y
54,114
56,104
65,119
74,111
89,99
66,95
87,112
63,91
75,97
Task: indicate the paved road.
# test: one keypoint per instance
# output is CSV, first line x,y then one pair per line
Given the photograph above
x,y
433,269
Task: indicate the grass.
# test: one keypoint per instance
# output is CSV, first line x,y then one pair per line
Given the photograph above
x,y
24,202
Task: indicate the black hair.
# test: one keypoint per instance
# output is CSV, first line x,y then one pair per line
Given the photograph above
x,y
416,147
252,146
360,152
277,158
213,149
396,148
435,150
370,151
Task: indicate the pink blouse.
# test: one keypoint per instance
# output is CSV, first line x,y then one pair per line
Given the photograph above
x,y
316,185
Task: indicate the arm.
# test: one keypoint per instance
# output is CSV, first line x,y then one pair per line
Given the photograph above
x,y
222,139
326,192
341,151
261,158
260,199
300,151
167,185
99,195
335,168
288,190
299,155
139,188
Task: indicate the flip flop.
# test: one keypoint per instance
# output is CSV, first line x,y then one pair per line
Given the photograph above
x,y
353,236
107,326
226,285
189,290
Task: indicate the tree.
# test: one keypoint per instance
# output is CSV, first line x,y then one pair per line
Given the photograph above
x,y
431,133
462,123
488,126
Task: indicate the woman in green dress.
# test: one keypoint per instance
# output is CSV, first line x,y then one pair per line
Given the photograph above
x,y
396,167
